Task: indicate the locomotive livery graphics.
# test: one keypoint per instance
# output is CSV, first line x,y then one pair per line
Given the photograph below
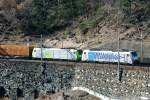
x,y
109,56
55,53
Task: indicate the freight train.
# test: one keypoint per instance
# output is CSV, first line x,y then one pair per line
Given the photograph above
x,y
33,52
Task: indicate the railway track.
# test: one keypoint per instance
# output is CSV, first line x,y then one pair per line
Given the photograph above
x,y
138,67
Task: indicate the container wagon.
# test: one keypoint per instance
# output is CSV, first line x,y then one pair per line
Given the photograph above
x,y
16,51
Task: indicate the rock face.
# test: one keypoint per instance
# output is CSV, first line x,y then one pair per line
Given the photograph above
x,y
29,77
104,81
100,78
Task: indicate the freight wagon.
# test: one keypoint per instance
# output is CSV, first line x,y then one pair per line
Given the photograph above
x,y
16,50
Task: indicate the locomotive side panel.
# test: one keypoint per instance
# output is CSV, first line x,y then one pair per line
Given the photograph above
x,y
106,56
54,53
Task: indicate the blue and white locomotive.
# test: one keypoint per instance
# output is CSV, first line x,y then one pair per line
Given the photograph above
x,y
110,56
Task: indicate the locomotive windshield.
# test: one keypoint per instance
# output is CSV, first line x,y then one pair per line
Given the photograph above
x,y
134,55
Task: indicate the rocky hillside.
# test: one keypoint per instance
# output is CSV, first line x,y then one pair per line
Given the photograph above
x,y
95,23
8,20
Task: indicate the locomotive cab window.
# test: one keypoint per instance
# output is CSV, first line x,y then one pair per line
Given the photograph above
x,y
134,54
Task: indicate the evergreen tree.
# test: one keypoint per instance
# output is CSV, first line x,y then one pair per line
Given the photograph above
x,y
45,16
